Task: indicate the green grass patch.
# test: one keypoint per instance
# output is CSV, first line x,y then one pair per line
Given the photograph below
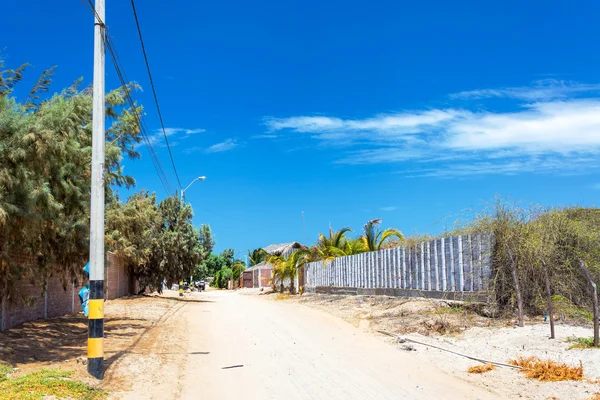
x,y
48,382
452,309
4,371
581,343
564,307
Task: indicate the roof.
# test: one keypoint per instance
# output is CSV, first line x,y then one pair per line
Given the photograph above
x,y
279,249
262,265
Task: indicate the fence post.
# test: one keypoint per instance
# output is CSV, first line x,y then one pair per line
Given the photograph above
x,y
481,283
428,273
461,277
436,266
443,251
373,262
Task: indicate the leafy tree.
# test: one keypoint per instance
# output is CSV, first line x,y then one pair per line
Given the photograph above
x,y
177,251
207,240
223,267
132,231
45,153
237,268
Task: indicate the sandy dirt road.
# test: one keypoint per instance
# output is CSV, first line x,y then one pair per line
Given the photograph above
x,y
248,347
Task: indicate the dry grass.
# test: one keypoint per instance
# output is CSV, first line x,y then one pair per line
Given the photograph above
x,y
282,296
595,396
481,369
548,370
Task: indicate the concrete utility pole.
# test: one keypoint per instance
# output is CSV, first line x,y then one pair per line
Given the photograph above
x,y
96,301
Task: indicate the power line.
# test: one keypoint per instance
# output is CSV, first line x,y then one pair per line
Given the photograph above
x,y
141,124
137,23
123,80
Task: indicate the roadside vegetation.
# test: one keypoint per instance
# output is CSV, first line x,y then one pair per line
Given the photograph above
x,y
545,261
45,153
222,267
48,383
335,244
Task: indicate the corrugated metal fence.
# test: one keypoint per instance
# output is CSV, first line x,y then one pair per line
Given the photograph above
x,y
458,264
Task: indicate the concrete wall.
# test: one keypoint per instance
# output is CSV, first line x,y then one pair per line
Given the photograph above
x,y
261,279
454,264
59,299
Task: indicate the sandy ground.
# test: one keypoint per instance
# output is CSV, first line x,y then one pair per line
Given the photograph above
x,y
142,336
225,345
248,347
487,339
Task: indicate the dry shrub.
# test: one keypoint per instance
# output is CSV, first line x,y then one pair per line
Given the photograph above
x,y
481,369
548,370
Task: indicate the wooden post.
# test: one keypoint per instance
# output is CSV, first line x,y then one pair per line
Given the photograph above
x,y
594,302
549,296
515,276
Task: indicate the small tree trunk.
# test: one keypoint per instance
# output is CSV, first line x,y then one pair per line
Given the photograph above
x,y
594,302
515,276
549,296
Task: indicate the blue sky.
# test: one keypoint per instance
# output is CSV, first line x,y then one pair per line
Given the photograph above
x,y
415,112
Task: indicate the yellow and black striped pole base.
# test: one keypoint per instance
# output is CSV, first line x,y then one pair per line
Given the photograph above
x,y
181,288
96,330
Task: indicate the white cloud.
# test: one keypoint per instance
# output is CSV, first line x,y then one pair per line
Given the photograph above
x,y
226,145
183,131
265,136
385,124
554,136
158,137
390,208
547,89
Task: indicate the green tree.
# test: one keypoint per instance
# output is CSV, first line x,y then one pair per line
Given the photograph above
x,y
332,246
45,153
257,256
374,239
178,250
132,232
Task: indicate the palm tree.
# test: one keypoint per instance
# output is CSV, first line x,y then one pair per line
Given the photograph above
x,y
257,256
297,260
333,246
354,246
279,271
374,238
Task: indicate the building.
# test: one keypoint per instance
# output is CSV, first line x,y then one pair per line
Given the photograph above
x,y
259,275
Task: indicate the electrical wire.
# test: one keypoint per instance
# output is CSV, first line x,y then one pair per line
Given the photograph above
x,y
123,80
141,124
137,23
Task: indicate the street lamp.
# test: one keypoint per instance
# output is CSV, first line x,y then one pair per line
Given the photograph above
x,y
200,178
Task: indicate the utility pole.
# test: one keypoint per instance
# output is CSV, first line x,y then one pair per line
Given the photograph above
x,y
96,301
181,280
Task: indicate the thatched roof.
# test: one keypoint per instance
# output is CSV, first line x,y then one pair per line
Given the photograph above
x,y
279,249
